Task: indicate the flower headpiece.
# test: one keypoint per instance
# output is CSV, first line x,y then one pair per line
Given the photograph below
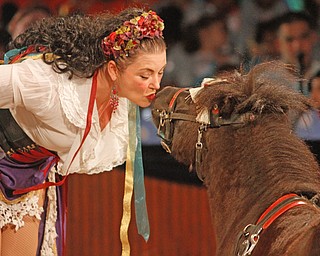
x,y
128,36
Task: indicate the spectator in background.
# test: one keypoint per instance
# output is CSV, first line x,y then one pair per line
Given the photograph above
x,y
193,10
264,46
296,38
205,49
26,17
308,125
230,9
214,49
253,12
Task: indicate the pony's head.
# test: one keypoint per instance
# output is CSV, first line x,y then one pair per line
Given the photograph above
x,y
233,99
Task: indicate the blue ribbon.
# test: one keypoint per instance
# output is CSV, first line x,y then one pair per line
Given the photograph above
x,y
142,220
14,52
9,54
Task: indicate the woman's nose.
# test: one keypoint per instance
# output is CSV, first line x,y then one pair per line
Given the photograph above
x,y
156,83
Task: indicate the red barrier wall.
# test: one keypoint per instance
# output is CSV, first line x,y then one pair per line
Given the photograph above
x,y
178,214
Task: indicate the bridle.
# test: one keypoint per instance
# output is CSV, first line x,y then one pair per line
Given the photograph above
x,y
166,120
249,236
168,116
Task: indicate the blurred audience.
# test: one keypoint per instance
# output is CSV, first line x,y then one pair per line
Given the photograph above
x,y
24,17
230,10
214,49
254,12
204,49
16,20
264,47
296,38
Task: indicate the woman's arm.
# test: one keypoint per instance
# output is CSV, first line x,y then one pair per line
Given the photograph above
x,y
27,84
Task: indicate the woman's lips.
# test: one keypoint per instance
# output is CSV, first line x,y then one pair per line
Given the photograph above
x,y
151,97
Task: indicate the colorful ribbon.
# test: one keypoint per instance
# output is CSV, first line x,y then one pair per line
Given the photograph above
x,y
142,220
134,179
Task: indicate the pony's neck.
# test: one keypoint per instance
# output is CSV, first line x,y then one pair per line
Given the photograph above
x,y
253,168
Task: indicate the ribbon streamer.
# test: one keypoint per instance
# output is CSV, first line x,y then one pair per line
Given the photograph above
x,y
142,220
128,187
134,179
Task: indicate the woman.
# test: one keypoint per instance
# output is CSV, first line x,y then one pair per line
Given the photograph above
x,y
72,89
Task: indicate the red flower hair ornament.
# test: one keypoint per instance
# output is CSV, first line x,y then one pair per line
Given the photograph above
x,y
128,36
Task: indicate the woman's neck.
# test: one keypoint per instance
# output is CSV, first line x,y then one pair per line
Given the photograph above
x,y
104,85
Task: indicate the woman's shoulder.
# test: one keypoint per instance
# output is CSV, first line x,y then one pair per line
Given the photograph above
x,y
30,80
33,69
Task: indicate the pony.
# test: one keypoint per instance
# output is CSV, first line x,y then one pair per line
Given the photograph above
x,y
237,132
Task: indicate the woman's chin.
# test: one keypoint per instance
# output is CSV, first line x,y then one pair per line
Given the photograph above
x,y
144,104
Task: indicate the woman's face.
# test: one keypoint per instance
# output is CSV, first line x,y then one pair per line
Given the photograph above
x,y
140,80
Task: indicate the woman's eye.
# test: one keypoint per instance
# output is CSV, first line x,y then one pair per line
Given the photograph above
x,y
144,77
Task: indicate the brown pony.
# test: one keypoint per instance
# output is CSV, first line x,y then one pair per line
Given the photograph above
x,y
236,131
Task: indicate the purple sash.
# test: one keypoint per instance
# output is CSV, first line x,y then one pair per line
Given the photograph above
x,y
14,175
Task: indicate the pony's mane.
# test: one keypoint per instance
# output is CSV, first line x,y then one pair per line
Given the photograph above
x,y
267,88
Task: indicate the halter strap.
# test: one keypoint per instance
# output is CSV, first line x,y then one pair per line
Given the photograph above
x,y
251,232
175,96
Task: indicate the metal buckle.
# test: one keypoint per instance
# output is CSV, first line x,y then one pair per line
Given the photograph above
x,y
251,240
163,117
166,147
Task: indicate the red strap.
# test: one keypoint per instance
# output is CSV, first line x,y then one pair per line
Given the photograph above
x,y
25,157
43,185
279,200
31,155
30,49
281,211
89,116
86,132
175,96
64,216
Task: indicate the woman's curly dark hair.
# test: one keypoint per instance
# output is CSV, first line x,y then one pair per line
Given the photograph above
x,y
75,40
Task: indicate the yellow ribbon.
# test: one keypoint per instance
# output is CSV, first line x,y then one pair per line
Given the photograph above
x,y
128,189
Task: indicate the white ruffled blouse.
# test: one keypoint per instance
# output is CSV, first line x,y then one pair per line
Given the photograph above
x,y
52,110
